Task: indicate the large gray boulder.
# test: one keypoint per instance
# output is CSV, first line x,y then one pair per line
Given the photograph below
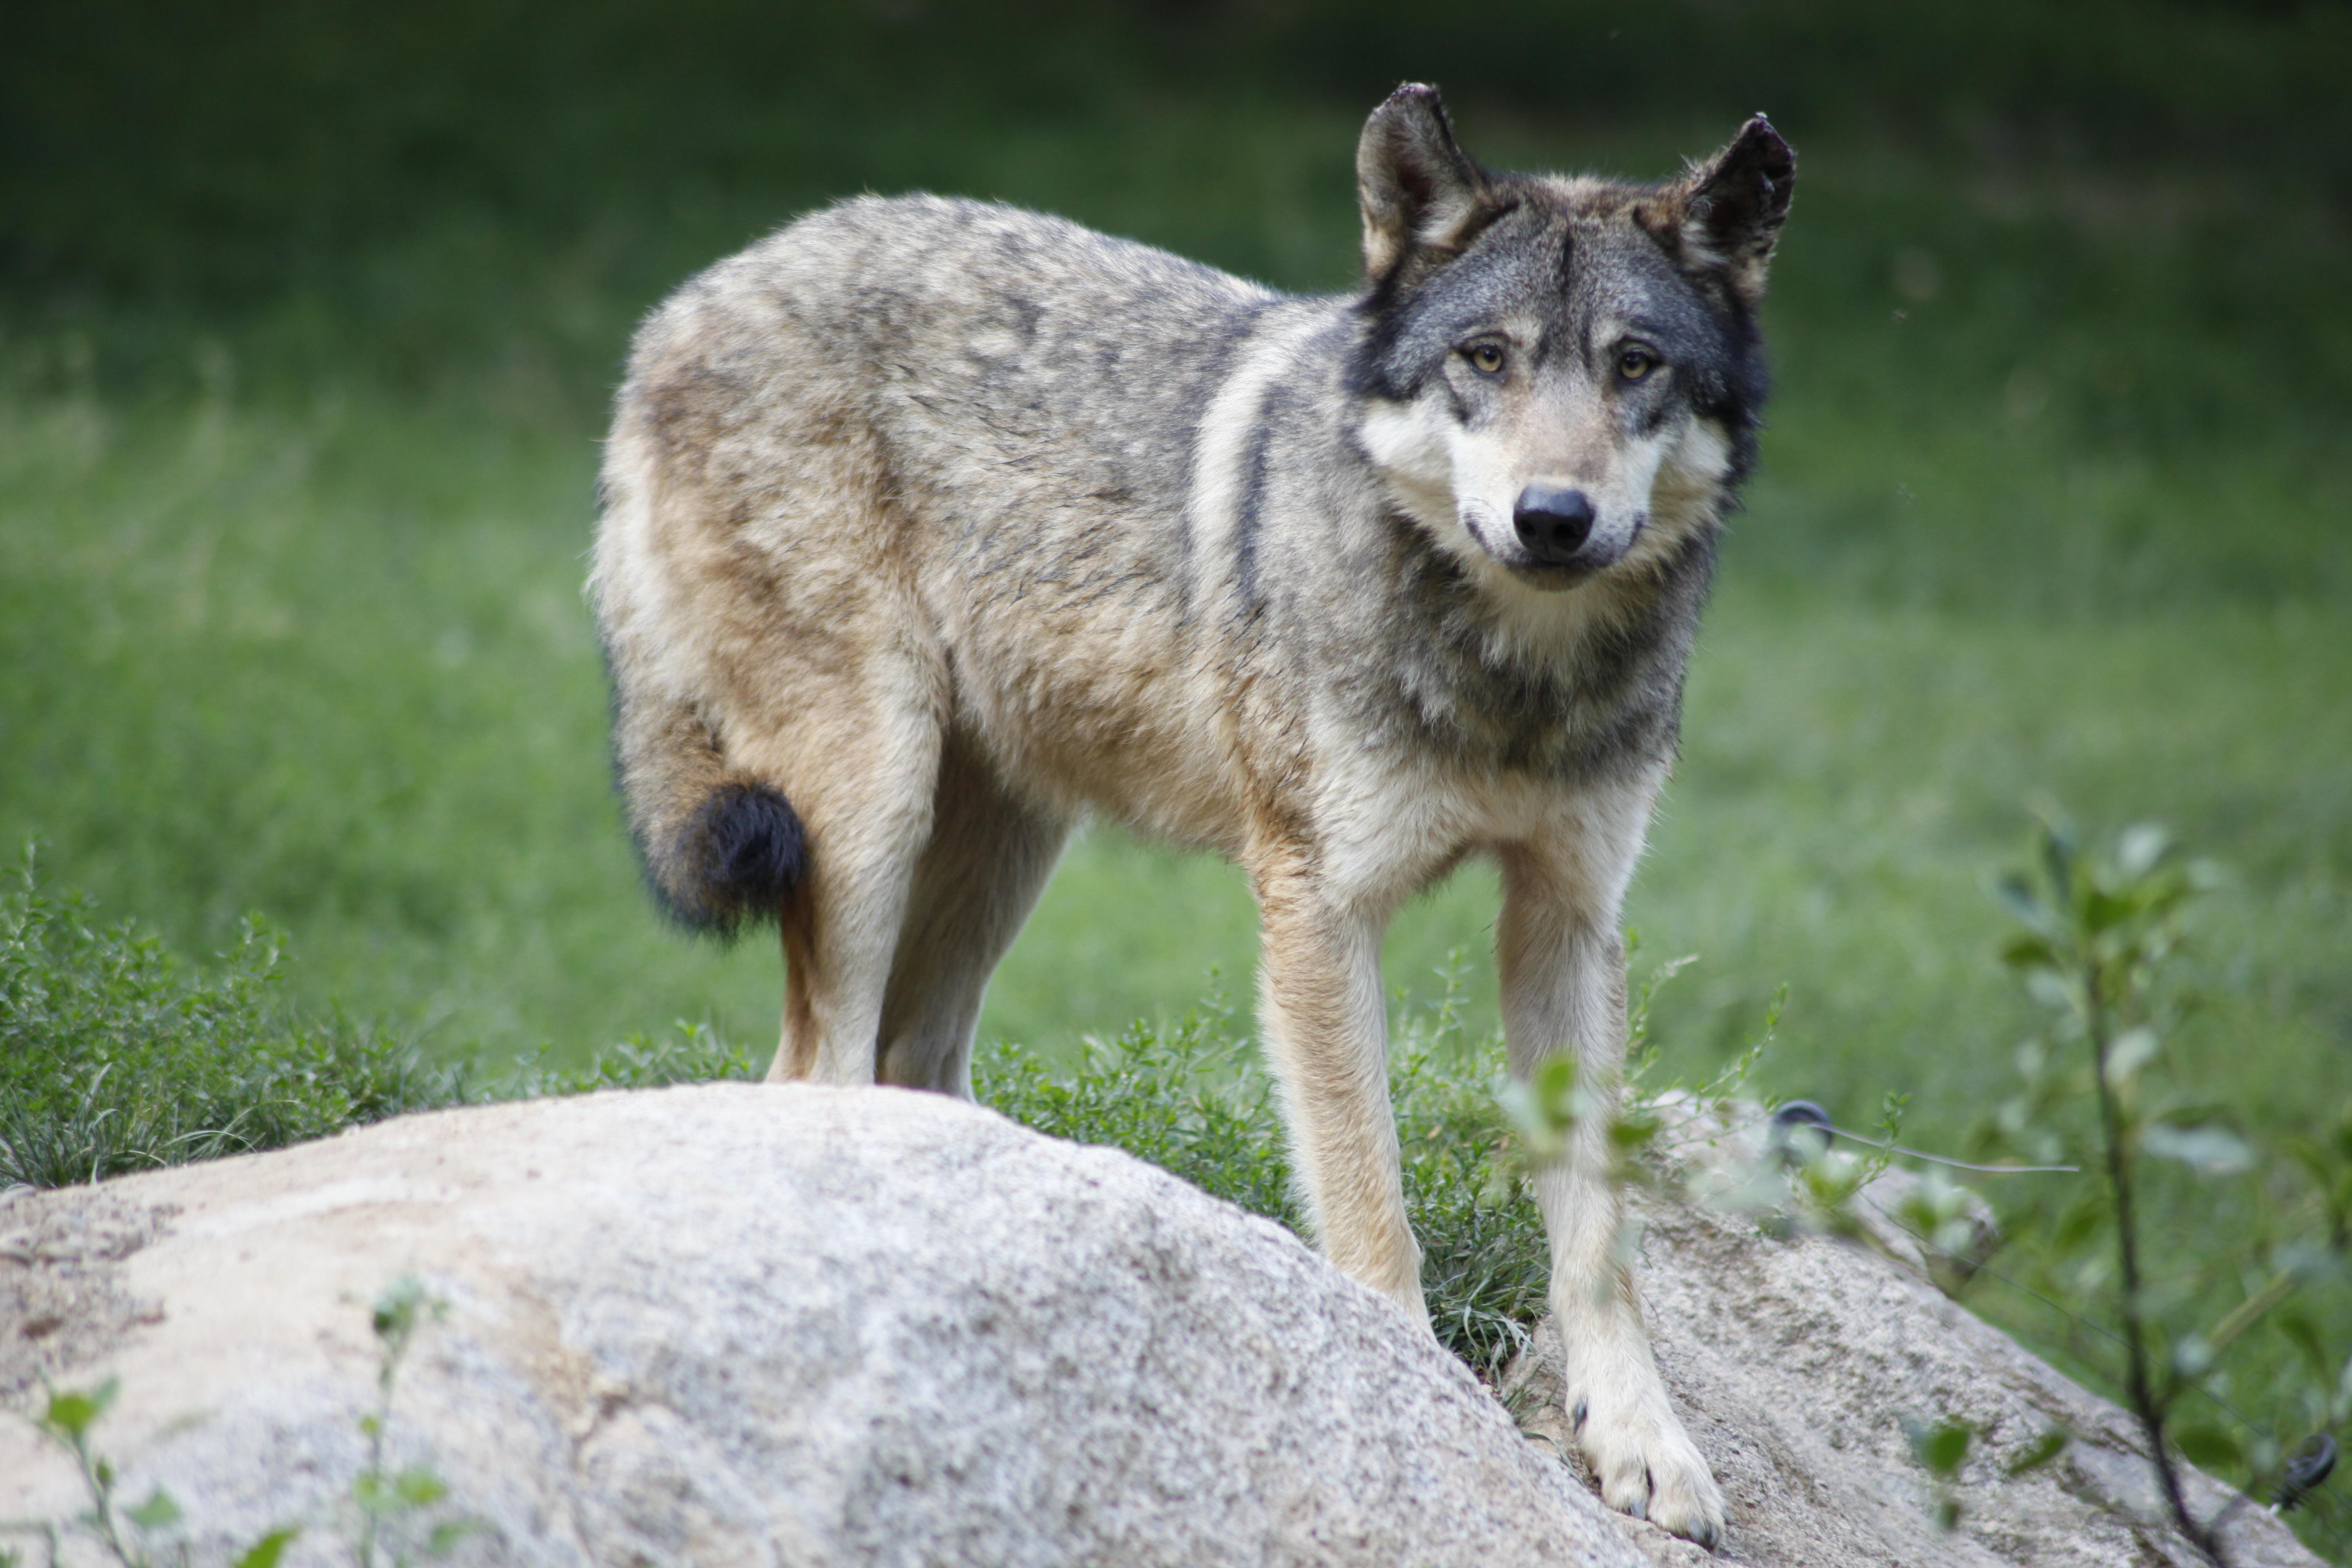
x,y
745,1324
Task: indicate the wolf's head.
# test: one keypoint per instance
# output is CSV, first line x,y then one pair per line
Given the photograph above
x,y
1561,376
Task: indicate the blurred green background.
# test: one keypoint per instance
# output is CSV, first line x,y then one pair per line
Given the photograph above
x,y
310,314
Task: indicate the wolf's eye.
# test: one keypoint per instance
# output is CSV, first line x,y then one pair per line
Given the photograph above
x,y
1636,363
1486,358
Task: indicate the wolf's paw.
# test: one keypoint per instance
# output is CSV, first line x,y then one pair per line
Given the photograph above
x,y
1645,1462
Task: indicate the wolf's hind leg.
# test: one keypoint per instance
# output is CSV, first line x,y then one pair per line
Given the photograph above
x,y
863,782
990,856
1563,981
1327,1029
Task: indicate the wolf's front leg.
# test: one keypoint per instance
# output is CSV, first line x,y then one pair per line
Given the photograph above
x,y
1563,978
1327,1030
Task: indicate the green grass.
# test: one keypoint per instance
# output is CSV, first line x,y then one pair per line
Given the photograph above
x,y
315,647
115,1057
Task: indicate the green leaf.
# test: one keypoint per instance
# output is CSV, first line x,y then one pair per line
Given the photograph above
x,y
2032,1061
395,1310
2140,848
1633,1132
1943,1447
2295,1324
2049,988
2017,897
447,1535
2314,1161
2127,1053
1544,1110
2212,1148
1555,1081
2104,911
156,1513
2209,1447
2038,1452
266,1552
72,1412
2058,852
2080,1225
418,1487
2031,952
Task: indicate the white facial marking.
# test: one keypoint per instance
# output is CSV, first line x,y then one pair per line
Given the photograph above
x,y
1462,486
1417,447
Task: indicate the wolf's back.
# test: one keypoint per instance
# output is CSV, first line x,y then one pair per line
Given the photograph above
x,y
903,396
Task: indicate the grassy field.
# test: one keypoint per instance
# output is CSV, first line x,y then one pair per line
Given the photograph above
x,y
297,441
2068,526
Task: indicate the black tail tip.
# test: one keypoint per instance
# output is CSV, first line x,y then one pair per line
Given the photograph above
x,y
735,860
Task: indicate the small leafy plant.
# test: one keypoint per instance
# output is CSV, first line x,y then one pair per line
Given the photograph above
x,y
126,1535
390,1506
2097,931
393,1505
1942,1450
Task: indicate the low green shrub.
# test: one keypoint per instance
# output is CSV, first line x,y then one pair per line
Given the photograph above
x,y
693,1054
116,1056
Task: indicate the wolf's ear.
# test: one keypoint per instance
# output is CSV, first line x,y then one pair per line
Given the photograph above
x,y
1723,217
1419,191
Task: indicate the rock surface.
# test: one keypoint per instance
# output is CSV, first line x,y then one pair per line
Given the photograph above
x,y
744,1324
1795,1364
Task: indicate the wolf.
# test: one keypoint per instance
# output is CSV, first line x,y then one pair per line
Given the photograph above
x,y
930,526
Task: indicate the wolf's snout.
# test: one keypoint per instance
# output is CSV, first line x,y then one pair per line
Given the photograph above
x,y
1553,521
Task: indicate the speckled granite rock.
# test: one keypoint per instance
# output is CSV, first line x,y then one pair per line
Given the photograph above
x,y
747,1324
1795,1362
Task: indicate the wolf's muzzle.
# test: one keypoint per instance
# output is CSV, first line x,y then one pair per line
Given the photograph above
x,y
1553,522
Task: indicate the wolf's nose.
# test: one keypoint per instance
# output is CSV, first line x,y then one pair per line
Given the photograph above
x,y
1553,522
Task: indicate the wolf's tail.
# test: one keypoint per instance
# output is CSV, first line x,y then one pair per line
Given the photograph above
x,y
719,846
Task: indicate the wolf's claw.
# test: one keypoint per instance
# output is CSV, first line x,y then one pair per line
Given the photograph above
x,y
1646,1465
